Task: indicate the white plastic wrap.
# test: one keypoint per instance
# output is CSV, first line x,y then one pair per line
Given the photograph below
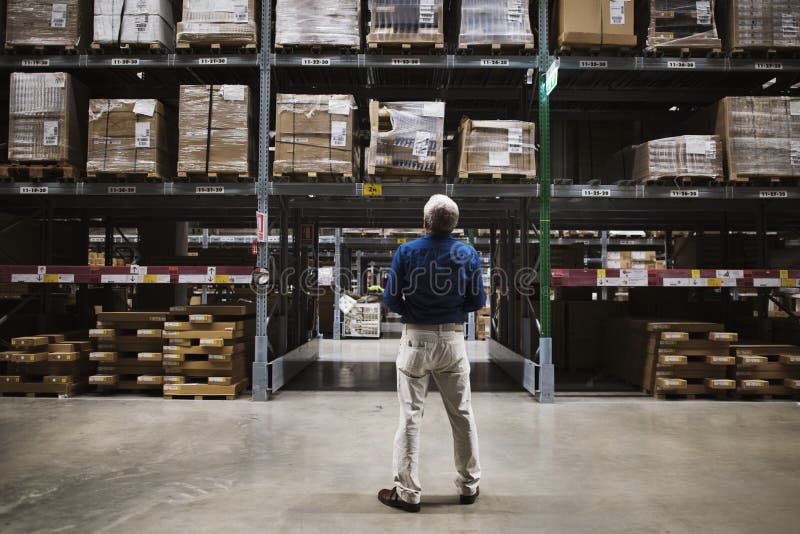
x,y
497,147
682,23
406,22
675,157
225,22
318,22
45,22
144,22
764,23
499,22
406,136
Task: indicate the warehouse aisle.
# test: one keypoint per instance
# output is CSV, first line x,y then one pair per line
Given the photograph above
x,y
369,365
312,462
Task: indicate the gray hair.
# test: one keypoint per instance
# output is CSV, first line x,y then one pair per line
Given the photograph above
x,y
440,214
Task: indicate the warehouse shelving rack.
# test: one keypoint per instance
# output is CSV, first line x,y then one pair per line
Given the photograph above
x,y
511,85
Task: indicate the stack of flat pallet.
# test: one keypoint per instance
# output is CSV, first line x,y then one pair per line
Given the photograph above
x,y
45,365
128,350
208,351
767,370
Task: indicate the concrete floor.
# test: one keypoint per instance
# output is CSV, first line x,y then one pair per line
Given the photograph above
x,y
312,462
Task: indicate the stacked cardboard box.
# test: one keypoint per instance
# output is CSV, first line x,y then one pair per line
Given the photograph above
x,y
128,137
763,24
217,22
682,24
47,112
208,350
362,320
761,136
57,23
495,23
128,350
596,23
144,22
214,135
483,320
45,364
671,358
686,156
405,22
633,259
504,148
315,134
406,138
318,23
767,369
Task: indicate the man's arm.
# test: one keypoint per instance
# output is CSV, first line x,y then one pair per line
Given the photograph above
x,y
393,293
475,296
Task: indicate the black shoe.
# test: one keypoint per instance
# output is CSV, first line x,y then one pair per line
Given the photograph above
x,y
470,499
389,497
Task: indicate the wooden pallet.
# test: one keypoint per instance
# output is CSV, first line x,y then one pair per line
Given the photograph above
x,y
216,48
215,177
37,172
204,391
129,48
317,49
390,178
594,50
41,49
495,178
497,49
697,388
314,177
683,180
764,180
684,52
123,177
428,47
764,52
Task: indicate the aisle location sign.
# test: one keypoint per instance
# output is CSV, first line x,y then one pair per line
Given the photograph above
x,y
551,80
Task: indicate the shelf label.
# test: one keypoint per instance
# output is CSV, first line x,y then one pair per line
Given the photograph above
x,y
684,193
773,194
768,66
593,64
212,61
121,278
372,190
767,282
122,190
125,62
495,62
596,193
315,62
209,190
33,190
58,278
26,278
681,65
405,61
35,63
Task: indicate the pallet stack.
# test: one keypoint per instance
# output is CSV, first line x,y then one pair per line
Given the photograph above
x,y
767,370
45,365
128,351
208,351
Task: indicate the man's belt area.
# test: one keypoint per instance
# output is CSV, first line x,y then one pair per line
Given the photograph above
x,y
447,327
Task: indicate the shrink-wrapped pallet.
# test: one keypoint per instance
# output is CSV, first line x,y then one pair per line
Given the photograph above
x,y
406,137
682,24
405,22
314,134
318,23
685,156
223,22
144,22
487,23
497,147
213,129
127,136
761,136
47,113
758,24
46,23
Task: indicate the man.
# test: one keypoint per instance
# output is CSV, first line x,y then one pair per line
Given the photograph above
x,y
433,283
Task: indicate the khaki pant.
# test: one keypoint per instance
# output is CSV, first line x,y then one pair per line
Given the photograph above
x,y
441,355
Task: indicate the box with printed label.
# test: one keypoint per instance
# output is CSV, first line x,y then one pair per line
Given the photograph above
x,y
47,117
763,24
314,134
56,23
318,22
143,22
127,136
596,23
218,22
682,24
405,22
677,157
506,148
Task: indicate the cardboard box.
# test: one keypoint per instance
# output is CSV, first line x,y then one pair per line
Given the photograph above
x,y
643,255
759,24
318,22
487,23
223,22
596,23
214,135
405,22
682,24
497,147
127,136
144,22
314,134
47,115
60,23
682,156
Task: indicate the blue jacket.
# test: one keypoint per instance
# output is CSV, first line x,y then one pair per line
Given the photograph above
x,y
435,280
